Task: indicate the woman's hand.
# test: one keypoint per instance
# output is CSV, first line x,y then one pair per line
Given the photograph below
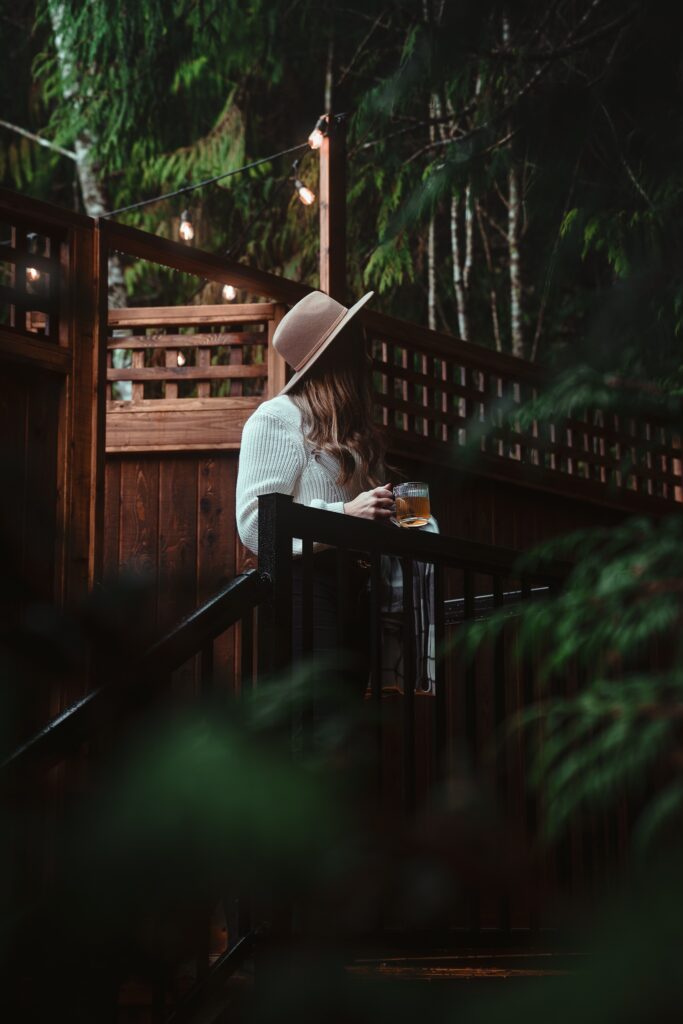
x,y
375,504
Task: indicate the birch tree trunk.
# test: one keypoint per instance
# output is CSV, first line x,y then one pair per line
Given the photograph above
x,y
458,283
431,276
492,290
93,191
514,205
431,236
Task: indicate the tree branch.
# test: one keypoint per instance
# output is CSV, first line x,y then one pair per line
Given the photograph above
x,y
37,138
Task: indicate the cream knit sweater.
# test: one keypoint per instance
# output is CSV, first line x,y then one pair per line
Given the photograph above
x,y
275,456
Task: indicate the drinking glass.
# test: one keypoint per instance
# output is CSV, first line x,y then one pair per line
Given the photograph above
x,y
412,503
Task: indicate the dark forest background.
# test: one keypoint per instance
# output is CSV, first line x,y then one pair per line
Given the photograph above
x,y
514,179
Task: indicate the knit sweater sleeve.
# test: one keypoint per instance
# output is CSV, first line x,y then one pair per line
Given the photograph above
x,y
270,461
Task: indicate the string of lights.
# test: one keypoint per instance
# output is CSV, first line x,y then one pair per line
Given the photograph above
x,y
207,181
229,292
186,228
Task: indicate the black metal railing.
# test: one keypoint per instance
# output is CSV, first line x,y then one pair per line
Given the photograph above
x,y
486,580
117,697
469,580
116,701
422,738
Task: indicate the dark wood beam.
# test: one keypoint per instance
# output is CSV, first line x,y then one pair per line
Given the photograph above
x,y
333,211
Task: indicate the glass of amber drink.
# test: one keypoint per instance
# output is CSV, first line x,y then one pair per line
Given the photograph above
x,y
412,503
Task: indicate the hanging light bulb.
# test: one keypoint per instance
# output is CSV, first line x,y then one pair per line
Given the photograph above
x,y
305,194
229,292
32,273
186,229
181,360
315,139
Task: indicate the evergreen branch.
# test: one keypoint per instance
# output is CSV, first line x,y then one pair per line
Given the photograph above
x,y
562,51
377,22
207,181
37,138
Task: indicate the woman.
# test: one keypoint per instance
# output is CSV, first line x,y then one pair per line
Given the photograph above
x,y
317,441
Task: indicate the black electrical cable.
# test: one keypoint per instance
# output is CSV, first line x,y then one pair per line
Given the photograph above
x,y
207,181
268,202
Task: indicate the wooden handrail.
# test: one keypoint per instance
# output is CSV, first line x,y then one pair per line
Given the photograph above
x,y
17,207
202,264
365,536
109,701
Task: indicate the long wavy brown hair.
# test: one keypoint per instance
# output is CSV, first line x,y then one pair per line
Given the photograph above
x,y
336,408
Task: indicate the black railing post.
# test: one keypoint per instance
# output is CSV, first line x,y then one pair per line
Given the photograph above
x,y
275,559
409,786
275,658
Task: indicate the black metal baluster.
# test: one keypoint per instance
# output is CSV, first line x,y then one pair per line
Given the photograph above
x,y
247,652
471,724
441,766
206,669
499,715
376,660
343,569
275,559
531,804
275,639
307,641
307,610
470,674
242,912
408,687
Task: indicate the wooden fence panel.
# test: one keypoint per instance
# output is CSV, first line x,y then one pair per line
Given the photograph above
x,y
51,394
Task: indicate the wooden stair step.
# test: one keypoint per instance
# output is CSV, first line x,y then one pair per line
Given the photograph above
x,y
468,965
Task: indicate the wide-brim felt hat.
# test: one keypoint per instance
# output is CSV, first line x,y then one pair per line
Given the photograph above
x,y
309,329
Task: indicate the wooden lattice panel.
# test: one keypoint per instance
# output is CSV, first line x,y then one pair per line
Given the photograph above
x,y
468,403
193,374
33,259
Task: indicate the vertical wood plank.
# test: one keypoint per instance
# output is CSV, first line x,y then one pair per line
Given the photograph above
x,y
112,518
42,487
14,409
216,549
138,548
333,210
277,368
236,359
170,386
177,549
204,361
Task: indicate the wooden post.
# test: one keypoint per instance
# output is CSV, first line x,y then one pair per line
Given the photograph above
x,y
333,210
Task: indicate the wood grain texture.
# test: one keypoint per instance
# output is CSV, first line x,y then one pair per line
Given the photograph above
x,y
206,427
175,373
203,264
151,316
30,350
216,480
199,340
177,571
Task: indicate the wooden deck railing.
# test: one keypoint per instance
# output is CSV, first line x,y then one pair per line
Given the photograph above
x,y
451,401
439,398
36,261
49,411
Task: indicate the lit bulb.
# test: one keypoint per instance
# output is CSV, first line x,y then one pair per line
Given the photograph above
x,y
186,229
32,274
315,139
229,292
181,359
305,194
